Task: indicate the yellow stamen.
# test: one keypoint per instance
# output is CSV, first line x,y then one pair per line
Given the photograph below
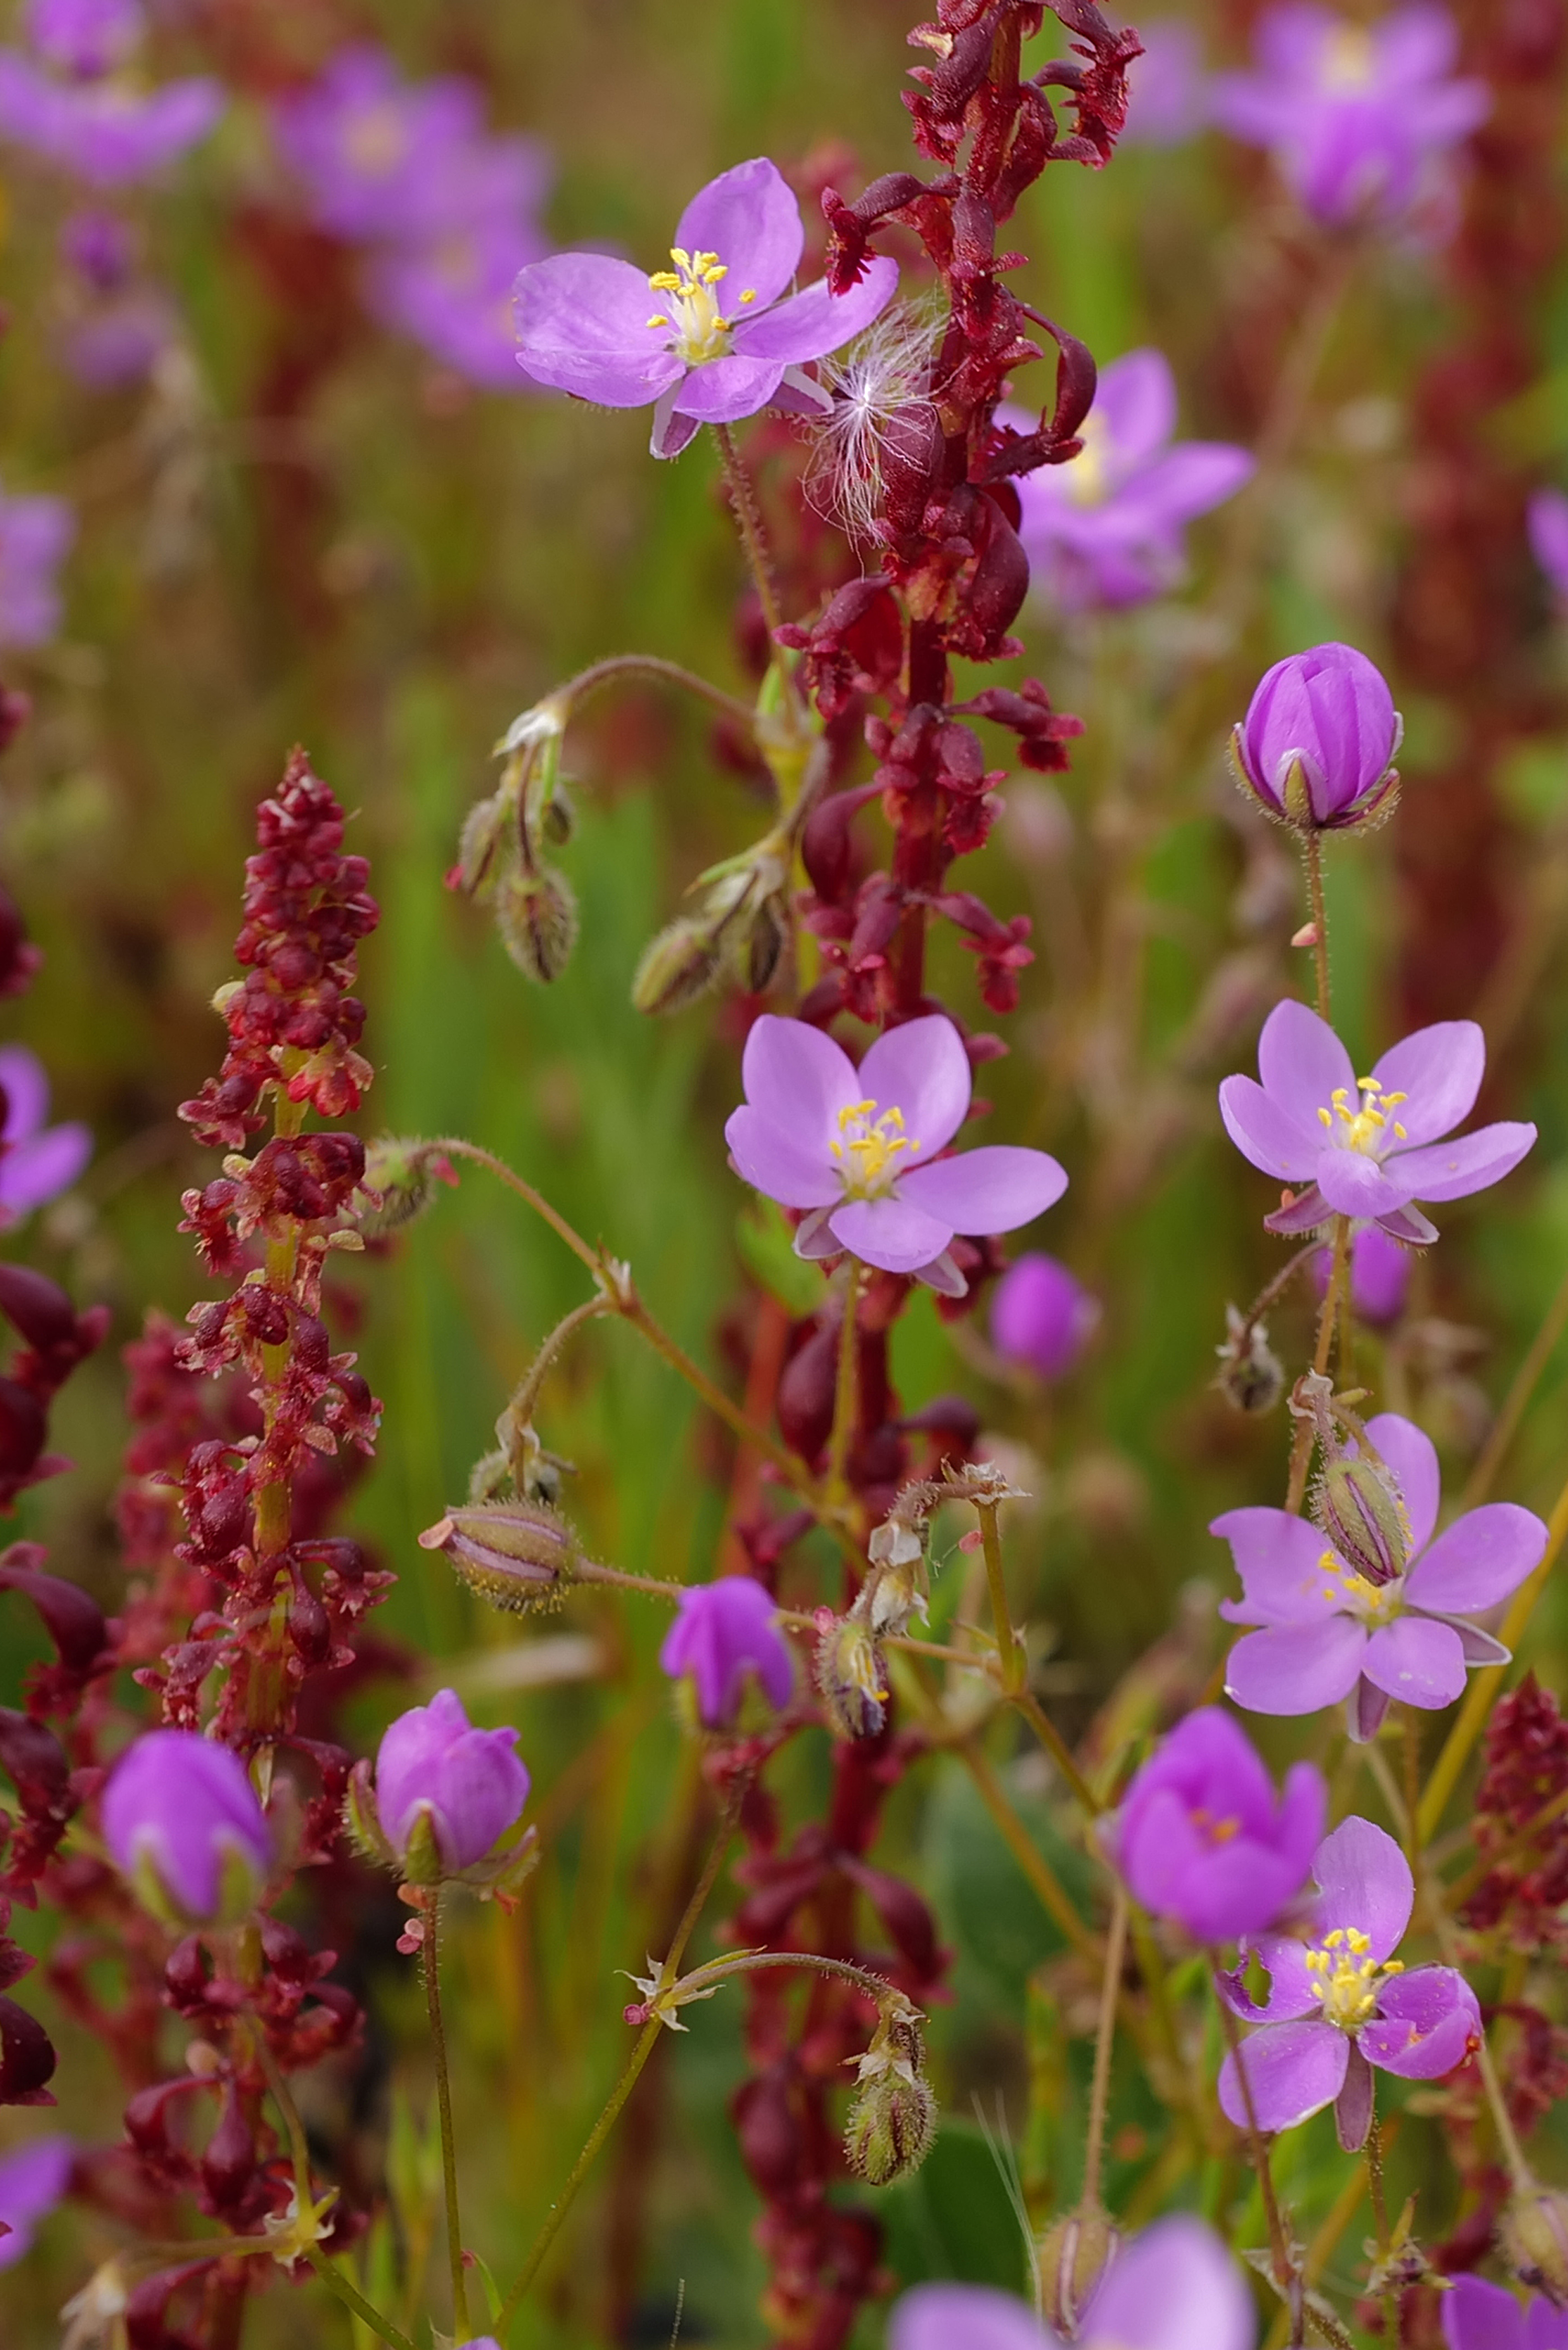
x,y
1348,1977
703,332
869,1153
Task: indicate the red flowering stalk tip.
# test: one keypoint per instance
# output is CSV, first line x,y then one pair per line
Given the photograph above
x,y
1521,1896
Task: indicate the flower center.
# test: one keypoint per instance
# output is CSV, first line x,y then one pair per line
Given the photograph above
x,y
1348,61
1375,1602
1213,1831
868,1150
1366,1128
1347,1977
702,330
376,140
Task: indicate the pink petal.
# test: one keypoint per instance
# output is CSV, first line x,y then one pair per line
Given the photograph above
x,y
941,2316
1270,1137
1134,402
1295,1667
1354,1185
26,1086
1452,1171
42,1167
921,1069
1190,478
890,1233
1427,2023
1481,1559
1294,2071
783,1165
721,391
1366,1882
1416,1660
1481,2316
1175,2288
1278,1559
798,1078
1410,1452
582,326
992,1190
811,324
750,218
1441,1069
1302,1063
1291,1990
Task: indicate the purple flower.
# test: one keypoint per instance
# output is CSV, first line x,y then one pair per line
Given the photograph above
x,y
1329,1632
32,2180
1481,2316
1167,88
1175,2288
180,1817
467,1785
1340,2001
454,295
1359,121
386,160
713,339
1105,529
1368,1148
1548,524
106,133
1042,1315
36,1161
119,341
1379,1274
725,1630
34,535
1201,1836
84,38
1317,743
858,1148
100,248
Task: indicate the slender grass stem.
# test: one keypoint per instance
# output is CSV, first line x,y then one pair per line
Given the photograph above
x,y
1279,2241
352,2298
1328,1313
1056,1746
620,666
1105,2040
1516,1403
1010,1656
1054,1897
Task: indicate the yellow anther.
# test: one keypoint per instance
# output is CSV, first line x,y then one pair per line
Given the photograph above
x,y
665,281
869,1155
1347,1977
1325,1116
750,294
1401,1134
659,318
702,331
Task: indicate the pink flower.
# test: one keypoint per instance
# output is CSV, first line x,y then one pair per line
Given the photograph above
x,y
1481,2316
33,2179
857,1148
36,1161
467,1785
724,1631
1317,744
1548,525
716,338
1368,1148
1042,1315
1340,2003
1327,1631
1175,2288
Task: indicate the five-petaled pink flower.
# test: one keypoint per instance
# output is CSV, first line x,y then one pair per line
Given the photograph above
x,y
1340,2001
714,339
857,1148
1368,1148
1327,1631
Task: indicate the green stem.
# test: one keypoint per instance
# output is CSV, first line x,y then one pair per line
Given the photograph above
x,y
1505,1428
1054,1897
1392,2329
430,1962
299,2153
1105,2040
601,673
519,1413
845,1394
1056,1746
1279,2242
1339,1274
353,2299
749,523
1011,1657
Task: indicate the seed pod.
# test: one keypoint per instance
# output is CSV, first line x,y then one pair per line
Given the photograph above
x,y
1251,1375
850,1677
1071,2256
894,2117
755,948
515,1555
677,968
536,916
480,845
1360,1508
401,1174
899,1585
1535,2239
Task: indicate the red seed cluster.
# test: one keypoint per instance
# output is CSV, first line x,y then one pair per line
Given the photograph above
x,y
1524,1894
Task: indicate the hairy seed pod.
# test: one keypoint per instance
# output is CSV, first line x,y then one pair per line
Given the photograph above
x,y
1251,1375
402,1175
515,1555
851,1675
481,846
1071,2256
894,2116
677,968
1360,1508
756,947
1535,2239
536,915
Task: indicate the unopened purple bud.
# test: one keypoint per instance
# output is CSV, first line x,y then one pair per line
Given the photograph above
x,y
1318,740
1379,1274
84,38
725,1631
444,1791
516,1554
100,248
1071,2258
181,1820
1041,1316
1361,1509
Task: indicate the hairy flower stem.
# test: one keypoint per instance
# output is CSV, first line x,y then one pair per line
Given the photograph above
x,y
646,2040
431,1965
1393,2330
1312,851
1411,1748
1336,1291
845,1394
1056,1746
1484,1690
1105,2040
1279,2241
299,2153
568,698
1272,1290
749,523
519,1413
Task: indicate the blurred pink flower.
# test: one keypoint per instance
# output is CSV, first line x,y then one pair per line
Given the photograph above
x,y
1548,524
36,1161
34,535
1167,87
